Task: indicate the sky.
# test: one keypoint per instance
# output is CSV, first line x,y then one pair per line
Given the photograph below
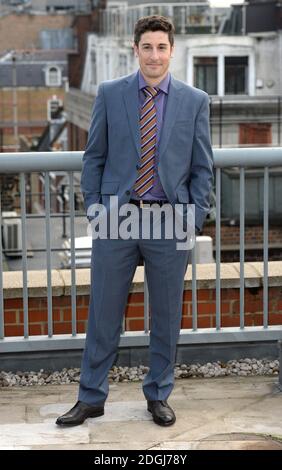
x,y
224,3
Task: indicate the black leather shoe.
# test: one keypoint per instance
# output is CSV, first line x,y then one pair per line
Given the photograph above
x,y
162,413
79,413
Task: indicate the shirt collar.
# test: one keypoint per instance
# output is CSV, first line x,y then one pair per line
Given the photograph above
x,y
163,86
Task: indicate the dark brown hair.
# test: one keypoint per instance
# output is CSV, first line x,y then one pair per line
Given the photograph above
x,y
153,23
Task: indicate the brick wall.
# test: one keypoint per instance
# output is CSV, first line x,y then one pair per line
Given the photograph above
x,y
31,101
32,111
28,27
134,320
230,242
230,235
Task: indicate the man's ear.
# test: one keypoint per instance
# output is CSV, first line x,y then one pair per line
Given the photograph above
x,y
135,48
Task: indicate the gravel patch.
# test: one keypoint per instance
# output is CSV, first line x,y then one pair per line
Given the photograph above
x,y
242,367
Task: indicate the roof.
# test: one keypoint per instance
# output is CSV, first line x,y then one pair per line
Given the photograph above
x,y
30,67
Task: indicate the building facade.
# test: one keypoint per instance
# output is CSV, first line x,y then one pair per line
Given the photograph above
x,y
236,58
32,89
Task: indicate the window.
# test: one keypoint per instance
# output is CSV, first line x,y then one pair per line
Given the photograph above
x,y
53,106
53,76
107,66
236,75
255,134
93,68
123,64
205,74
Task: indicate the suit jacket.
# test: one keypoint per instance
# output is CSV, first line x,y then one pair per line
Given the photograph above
x,y
112,154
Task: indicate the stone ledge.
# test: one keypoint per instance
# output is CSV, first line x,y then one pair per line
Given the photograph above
x,y
206,279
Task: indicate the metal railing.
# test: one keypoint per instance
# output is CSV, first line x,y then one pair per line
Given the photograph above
x,y
188,18
25,163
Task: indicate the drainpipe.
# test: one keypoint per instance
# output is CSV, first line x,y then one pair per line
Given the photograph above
x,y
15,103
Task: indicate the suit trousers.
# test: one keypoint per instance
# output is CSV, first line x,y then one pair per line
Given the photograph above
x,y
113,265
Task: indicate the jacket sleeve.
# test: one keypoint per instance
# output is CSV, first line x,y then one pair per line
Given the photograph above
x,y
201,174
94,157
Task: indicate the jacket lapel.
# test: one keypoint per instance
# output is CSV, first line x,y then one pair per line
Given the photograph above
x,y
170,114
131,99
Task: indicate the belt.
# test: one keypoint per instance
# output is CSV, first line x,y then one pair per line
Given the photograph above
x,y
144,202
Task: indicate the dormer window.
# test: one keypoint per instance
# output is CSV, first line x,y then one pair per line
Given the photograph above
x,y
53,76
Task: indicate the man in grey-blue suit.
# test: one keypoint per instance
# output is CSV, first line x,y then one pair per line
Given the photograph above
x,y
149,142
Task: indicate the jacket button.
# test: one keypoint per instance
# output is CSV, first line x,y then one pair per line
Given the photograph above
x,y
127,192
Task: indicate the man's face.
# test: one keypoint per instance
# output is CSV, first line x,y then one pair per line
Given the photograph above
x,y
154,53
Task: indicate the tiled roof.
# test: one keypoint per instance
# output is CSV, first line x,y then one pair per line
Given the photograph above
x,y
30,67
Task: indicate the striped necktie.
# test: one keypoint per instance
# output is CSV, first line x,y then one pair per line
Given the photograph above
x,y
148,128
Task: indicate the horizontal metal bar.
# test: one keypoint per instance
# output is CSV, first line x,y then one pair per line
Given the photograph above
x,y
72,161
44,161
139,338
42,250
53,215
248,157
244,99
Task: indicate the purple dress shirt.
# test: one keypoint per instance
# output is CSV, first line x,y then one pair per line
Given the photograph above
x,y
157,191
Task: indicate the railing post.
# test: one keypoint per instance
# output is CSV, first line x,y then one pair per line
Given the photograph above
x,y
1,277
279,343
218,247
48,253
24,253
73,272
194,289
265,245
242,247
146,304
